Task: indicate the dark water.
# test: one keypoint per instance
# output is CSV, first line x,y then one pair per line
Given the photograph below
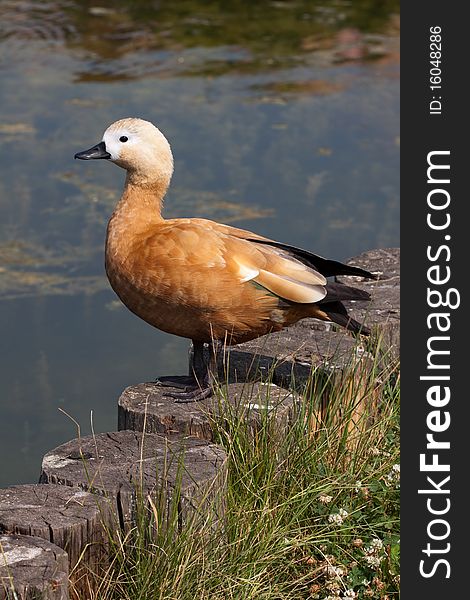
x,y
283,118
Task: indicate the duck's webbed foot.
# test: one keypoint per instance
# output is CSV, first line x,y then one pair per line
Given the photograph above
x,y
176,381
197,386
194,394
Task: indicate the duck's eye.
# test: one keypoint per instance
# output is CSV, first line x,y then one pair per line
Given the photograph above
x,y
123,138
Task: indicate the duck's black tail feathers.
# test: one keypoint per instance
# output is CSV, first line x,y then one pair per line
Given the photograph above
x,y
340,291
338,314
335,292
328,268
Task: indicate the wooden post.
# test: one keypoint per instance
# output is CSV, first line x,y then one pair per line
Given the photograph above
x,y
69,517
289,357
147,404
32,568
126,465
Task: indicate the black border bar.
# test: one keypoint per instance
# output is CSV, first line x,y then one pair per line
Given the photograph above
x,y
435,338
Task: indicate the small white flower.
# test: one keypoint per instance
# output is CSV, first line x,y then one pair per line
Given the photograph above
x,y
358,487
338,518
365,582
335,519
325,499
349,594
393,476
374,553
372,560
375,546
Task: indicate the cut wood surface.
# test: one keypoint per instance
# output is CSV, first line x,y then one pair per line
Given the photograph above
x,y
146,404
121,464
32,569
69,517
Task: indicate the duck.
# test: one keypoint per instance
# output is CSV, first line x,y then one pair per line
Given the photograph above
x,y
203,280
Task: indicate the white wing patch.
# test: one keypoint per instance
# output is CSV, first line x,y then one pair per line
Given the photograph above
x,y
246,273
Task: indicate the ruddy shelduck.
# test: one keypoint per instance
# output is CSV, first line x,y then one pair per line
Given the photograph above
x,y
200,279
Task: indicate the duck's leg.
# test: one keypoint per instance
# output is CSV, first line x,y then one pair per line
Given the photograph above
x,y
182,382
199,385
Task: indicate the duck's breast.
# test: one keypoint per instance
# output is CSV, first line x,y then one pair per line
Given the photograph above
x,y
179,278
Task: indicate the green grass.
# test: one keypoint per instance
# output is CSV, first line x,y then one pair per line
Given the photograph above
x,y
309,513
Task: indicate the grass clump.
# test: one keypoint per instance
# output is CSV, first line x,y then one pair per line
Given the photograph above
x,y
312,513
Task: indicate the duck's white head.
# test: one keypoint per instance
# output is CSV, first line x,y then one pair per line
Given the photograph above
x,y
137,146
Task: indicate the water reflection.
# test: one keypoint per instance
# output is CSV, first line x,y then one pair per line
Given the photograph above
x,y
283,118
133,38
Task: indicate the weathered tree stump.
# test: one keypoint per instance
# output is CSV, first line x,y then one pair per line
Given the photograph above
x,y
325,367
32,569
287,358
71,518
185,473
145,405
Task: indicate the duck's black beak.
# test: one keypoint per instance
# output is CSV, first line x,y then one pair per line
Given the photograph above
x,y
98,151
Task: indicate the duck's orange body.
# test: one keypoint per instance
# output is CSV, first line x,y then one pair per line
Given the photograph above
x,y
200,279
179,275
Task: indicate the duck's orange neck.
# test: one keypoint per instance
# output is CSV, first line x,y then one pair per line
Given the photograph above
x,y
143,199
138,209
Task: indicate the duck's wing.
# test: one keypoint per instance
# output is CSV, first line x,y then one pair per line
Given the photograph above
x,y
209,248
327,267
